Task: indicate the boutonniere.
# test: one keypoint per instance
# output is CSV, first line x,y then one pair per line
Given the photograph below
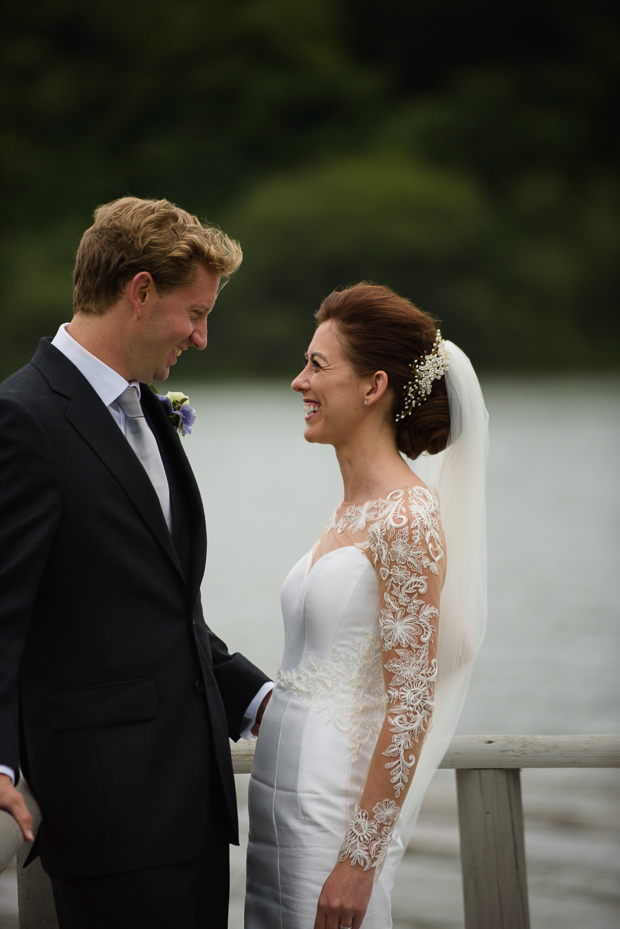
x,y
182,414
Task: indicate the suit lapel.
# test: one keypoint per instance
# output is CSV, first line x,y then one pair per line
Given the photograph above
x,y
88,415
187,511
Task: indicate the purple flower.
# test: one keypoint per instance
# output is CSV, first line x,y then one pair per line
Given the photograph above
x,y
188,418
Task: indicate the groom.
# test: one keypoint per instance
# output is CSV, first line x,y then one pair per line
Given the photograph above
x,y
116,700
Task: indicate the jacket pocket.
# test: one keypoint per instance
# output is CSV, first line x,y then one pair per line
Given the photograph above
x,y
103,705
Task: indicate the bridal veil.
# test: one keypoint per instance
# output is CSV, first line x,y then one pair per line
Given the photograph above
x,y
458,477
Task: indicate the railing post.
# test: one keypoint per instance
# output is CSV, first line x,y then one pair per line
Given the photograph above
x,y
492,849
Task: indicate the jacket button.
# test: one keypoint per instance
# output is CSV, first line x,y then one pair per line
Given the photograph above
x,y
199,687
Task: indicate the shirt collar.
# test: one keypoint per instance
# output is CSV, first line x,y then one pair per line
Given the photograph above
x,y
107,383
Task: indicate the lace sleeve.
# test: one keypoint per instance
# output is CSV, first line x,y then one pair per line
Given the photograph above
x,y
405,545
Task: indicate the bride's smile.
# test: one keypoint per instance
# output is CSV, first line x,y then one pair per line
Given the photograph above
x,y
311,408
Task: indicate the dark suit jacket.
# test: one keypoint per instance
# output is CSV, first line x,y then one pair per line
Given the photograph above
x,y
116,699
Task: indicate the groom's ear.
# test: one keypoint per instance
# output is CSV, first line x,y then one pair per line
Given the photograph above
x,y
141,291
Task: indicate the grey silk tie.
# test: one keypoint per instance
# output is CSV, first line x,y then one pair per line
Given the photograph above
x,y
142,440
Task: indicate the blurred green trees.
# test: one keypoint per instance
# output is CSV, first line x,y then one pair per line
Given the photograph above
x,y
465,154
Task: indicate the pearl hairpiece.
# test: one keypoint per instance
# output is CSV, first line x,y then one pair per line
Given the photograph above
x,y
430,368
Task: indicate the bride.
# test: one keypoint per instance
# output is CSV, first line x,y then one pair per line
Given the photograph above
x,y
382,618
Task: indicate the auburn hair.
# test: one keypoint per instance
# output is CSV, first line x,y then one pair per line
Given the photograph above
x,y
379,330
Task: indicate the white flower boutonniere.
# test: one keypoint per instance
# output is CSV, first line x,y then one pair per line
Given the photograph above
x,y
182,414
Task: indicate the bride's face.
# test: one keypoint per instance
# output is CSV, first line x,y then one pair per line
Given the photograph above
x,y
332,391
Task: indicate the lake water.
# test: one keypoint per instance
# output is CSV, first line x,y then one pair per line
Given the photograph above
x,y
549,663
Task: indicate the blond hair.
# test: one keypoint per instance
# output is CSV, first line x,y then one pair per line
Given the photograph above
x,y
132,235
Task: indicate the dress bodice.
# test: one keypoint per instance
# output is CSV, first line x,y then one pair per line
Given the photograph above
x,y
328,605
332,650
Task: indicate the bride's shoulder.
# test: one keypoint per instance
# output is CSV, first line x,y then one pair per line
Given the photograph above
x,y
421,499
412,504
394,509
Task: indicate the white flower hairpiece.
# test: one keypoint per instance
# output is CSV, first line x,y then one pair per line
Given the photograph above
x,y
429,368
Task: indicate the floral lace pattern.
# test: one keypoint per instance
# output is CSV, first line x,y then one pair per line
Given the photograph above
x,y
348,690
404,543
367,840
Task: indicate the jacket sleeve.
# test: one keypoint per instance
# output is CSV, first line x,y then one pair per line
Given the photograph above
x,y
237,679
29,515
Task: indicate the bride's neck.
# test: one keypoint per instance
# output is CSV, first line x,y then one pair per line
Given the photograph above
x,y
370,471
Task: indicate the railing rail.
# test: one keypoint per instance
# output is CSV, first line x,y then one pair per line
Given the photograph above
x,y
503,751
490,822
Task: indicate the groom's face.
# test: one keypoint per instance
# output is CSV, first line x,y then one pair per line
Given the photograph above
x,y
172,322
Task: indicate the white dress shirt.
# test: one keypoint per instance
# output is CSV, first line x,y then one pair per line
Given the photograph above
x,y
109,385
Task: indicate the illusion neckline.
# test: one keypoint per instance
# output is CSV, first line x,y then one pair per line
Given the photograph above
x,y
383,496
341,548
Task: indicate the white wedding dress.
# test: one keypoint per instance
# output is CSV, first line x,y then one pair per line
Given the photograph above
x,y
353,701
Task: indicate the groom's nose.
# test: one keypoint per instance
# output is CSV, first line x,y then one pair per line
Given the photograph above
x,y
199,334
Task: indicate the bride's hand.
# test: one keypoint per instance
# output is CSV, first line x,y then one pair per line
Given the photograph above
x,y
344,897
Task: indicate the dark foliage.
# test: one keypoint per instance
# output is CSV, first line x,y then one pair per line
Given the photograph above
x,y
465,154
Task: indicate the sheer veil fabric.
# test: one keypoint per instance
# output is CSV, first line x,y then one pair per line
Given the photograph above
x,y
457,475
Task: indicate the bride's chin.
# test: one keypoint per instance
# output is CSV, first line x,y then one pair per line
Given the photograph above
x,y
310,434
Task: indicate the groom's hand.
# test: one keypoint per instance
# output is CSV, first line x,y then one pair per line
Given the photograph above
x,y
259,716
12,801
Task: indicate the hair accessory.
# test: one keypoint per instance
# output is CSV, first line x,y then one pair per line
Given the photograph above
x,y
430,368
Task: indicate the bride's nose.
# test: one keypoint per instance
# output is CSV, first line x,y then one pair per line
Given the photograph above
x,y
298,383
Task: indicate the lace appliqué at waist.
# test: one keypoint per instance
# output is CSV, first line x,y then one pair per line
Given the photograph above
x,y
348,690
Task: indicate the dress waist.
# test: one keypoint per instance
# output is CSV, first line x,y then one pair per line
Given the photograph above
x,y
347,689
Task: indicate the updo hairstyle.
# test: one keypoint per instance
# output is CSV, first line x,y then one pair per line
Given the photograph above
x,y
381,331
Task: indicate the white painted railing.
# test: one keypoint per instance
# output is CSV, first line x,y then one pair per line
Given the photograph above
x,y
490,823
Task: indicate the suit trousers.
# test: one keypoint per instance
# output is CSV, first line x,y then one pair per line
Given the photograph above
x,y
190,894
